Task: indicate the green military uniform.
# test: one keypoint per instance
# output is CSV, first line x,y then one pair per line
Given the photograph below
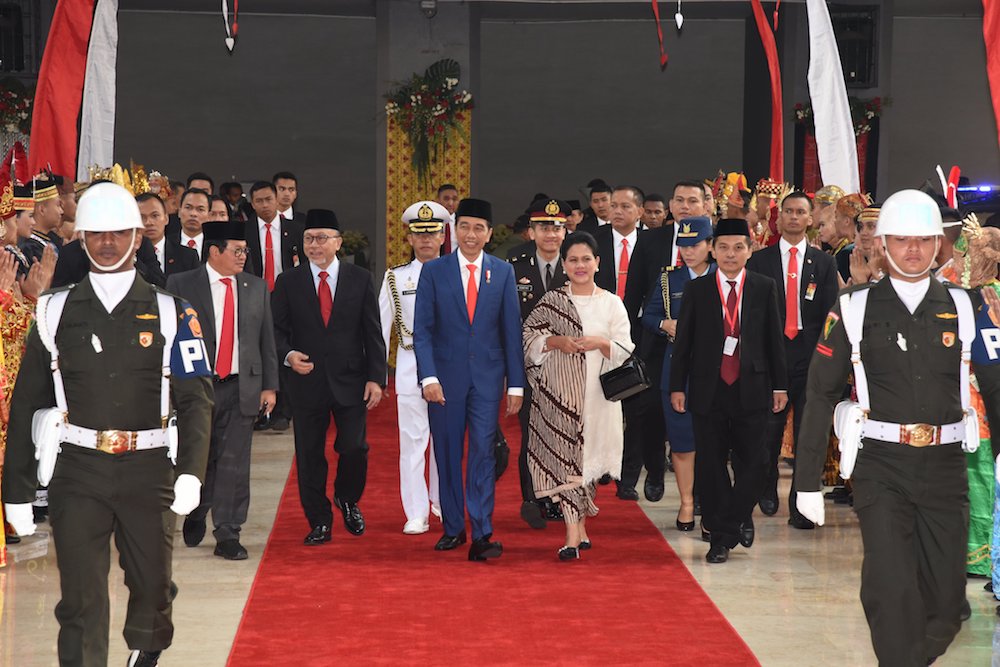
x,y
911,501
111,369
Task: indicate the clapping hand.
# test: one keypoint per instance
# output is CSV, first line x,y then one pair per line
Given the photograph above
x,y
39,276
8,271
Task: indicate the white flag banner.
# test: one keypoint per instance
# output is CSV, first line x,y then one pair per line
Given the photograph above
x,y
97,120
836,144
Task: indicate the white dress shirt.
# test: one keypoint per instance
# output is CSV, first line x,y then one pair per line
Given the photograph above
x,y
726,288
161,253
111,288
219,307
800,257
554,262
275,243
287,214
631,238
198,241
451,235
601,222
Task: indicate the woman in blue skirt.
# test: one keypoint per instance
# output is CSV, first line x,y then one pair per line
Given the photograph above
x,y
663,305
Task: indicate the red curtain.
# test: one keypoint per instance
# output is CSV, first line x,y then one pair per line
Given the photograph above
x,y
54,134
777,169
811,180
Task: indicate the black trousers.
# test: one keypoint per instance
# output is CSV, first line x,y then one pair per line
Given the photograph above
x,y
93,496
913,507
645,437
523,415
226,490
726,502
310,427
775,431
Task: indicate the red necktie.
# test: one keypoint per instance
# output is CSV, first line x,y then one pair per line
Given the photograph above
x,y
446,248
792,295
471,292
268,257
325,298
622,271
731,362
191,243
224,356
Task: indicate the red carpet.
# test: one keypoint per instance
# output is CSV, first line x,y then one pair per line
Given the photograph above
x,y
389,598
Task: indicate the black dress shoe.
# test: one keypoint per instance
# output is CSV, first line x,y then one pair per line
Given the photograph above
x,y
706,536
837,492
627,492
988,587
533,514
747,533
12,539
717,553
262,423
653,489
353,521
800,522
768,506
231,550
194,531
569,553
482,549
449,542
143,659
585,545
552,511
605,479
318,535
279,424
966,612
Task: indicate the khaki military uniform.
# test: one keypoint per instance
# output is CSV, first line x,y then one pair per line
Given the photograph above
x,y
111,369
911,499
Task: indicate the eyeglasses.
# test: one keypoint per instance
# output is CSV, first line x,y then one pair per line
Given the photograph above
x,y
322,238
240,252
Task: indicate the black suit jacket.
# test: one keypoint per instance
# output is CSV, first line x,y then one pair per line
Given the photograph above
x,y
528,278
179,258
697,356
653,252
73,265
289,243
258,368
818,289
589,223
347,353
608,271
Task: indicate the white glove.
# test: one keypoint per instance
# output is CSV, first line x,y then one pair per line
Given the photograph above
x,y
810,505
20,517
996,470
187,495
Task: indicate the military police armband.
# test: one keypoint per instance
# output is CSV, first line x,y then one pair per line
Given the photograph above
x,y
189,358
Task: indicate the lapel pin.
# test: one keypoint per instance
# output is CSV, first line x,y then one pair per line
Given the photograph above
x,y
487,276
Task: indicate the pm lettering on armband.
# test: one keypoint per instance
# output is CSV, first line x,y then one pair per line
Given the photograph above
x,y
991,340
191,351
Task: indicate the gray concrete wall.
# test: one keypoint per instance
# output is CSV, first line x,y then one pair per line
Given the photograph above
x,y
941,111
562,103
298,93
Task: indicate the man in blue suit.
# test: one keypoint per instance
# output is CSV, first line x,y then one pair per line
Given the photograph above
x,y
467,339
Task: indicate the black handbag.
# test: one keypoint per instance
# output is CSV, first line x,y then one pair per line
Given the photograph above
x,y
627,380
501,453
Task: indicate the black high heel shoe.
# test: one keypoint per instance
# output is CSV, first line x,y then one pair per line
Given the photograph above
x,y
569,553
584,545
685,526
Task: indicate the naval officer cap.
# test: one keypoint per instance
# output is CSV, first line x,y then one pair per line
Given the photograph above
x,y
425,217
692,231
321,218
475,208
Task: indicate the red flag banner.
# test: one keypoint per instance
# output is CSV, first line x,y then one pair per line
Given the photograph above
x,y
774,69
60,89
991,35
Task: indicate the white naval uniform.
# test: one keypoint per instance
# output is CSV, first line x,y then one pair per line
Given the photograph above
x,y
414,427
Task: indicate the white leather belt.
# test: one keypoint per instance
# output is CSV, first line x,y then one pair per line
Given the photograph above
x,y
114,441
914,435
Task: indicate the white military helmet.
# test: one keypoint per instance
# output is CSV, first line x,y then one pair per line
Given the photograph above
x,y
909,213
106,207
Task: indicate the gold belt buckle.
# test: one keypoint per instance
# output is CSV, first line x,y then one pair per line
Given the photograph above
x,y
116,442
919,435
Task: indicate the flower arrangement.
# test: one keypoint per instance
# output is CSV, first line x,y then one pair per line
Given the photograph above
x,y
15,107
429,108
862,113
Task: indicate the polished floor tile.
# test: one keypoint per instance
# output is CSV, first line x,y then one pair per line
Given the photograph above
x,y
793,597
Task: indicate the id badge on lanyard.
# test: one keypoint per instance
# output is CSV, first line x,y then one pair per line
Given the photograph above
x,y
729,347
